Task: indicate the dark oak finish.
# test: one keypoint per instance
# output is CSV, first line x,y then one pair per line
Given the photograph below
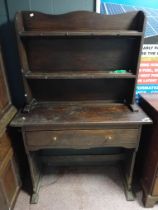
x,y
7,111
66,160
87,47
149,102
90,114
74,98
5,146
77,75
80,33
82,53
3,93
82,89
9,179
81,21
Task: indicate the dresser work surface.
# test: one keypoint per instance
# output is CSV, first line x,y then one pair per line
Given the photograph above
x,y
79,114
75,98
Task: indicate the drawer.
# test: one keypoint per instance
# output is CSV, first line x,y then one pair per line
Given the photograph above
x,y
81,138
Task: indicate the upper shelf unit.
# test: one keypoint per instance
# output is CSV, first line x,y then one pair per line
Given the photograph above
x,y
65,46
82,48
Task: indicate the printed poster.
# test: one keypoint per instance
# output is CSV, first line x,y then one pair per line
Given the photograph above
x,y
148,72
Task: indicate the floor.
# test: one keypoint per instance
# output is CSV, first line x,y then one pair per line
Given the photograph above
x,y
81,188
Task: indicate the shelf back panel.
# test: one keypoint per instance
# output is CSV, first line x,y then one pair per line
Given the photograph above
x,y
82,20
78,89
76,53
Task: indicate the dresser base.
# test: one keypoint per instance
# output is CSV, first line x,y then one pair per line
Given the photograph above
x,y
80,160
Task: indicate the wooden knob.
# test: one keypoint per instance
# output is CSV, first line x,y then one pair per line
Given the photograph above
x,y
108,137
54,138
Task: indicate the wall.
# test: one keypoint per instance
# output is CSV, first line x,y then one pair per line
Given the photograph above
x,y
8,8
3,15
49,6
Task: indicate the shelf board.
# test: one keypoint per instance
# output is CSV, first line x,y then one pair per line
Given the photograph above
x,y
80,33
77,75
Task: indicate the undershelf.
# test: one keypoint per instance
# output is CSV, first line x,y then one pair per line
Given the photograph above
x,y
77,75
80,33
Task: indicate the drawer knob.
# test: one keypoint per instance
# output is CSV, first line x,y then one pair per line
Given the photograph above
x,y
108,137
54,138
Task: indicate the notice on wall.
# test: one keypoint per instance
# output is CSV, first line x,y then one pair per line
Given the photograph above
x,y
148,72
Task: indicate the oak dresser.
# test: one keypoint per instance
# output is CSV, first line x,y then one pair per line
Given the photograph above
x,y
80,72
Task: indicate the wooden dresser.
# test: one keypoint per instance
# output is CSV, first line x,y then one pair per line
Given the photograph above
x,y
9,179
149,103
79,71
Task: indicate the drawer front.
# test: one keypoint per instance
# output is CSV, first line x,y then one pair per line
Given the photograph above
x,y
82,138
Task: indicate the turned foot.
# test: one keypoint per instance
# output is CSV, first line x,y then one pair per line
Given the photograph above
x,y
34,198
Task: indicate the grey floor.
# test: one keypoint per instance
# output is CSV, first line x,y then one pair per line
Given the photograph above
x,y
81,188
